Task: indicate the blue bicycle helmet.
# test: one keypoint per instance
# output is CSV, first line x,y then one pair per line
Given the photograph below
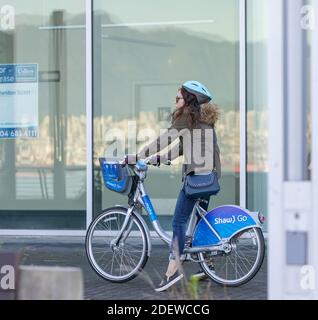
x,y
199,90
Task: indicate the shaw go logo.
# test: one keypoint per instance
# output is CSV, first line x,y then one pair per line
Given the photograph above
x,y
233,219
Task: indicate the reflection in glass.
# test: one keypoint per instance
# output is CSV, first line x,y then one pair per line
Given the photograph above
x,y
257,121
44,178
141,57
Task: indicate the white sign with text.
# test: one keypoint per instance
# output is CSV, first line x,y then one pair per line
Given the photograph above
x,y
18,100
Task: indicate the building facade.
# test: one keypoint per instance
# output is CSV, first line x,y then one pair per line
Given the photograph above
x,y
101,67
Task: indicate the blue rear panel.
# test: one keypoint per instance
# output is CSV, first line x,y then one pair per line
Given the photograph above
x,y
226,220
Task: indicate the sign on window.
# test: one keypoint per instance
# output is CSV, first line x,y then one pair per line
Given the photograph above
x,y
18,100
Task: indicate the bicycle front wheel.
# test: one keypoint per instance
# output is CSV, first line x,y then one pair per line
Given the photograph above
x,y
122,261
241,264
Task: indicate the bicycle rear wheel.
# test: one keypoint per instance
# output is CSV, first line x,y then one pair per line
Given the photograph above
x,y
241,264
116,262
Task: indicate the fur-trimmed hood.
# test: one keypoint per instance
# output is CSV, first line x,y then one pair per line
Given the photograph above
x,y
209,113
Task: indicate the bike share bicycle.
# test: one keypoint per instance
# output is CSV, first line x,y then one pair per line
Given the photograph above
x,y
118,241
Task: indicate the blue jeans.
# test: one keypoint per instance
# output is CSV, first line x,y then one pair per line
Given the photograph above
x,y
181,216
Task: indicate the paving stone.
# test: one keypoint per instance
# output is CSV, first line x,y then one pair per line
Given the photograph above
x,y
70,252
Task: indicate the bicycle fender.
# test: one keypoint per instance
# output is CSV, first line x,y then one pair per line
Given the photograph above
x,y
142,221
227,221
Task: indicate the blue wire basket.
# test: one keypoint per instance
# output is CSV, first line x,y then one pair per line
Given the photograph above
x,y
116,177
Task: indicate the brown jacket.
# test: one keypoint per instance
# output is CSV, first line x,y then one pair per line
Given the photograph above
x,y
196,145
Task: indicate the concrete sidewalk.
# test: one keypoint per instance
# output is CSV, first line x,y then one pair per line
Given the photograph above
x,y
63,251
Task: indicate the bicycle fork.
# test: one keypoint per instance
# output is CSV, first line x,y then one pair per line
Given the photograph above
x,y
127,221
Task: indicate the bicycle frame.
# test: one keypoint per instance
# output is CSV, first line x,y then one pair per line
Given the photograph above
x,y
220,239
209,234
142,197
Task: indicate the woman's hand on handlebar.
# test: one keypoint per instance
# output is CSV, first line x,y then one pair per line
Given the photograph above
x,y
152,160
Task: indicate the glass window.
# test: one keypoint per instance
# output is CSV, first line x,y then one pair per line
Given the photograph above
x,y
142,54
257,109
42,173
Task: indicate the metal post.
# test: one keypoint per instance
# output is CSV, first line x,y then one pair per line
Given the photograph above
x,y
295,111
58,106
292,245
313,239
89,115
243,103
276,247
97,102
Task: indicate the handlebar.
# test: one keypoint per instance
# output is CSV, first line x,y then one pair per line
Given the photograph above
x,y
132,159
158,162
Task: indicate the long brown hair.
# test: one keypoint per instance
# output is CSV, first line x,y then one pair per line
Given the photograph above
x,y
191,108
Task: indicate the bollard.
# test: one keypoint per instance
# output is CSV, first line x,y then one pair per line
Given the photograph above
x,y
50,283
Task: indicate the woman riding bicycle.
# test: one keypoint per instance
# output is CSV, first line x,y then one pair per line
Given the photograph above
x,y
193,124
